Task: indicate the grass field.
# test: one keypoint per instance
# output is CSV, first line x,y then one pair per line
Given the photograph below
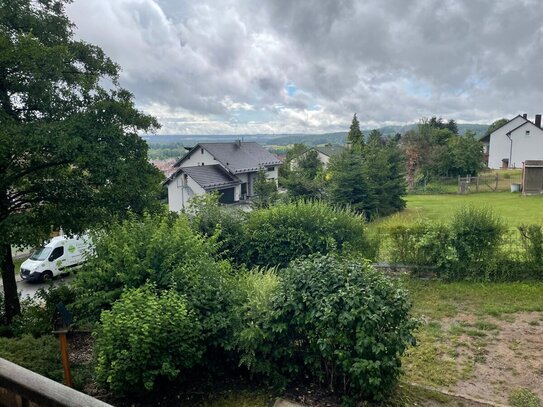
x,y
515,209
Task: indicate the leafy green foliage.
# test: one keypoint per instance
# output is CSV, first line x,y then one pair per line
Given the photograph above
x,y
225,224
163,250
146,336
421,244
265,190
38,312
532,239
70,152
41,355
435,149
475,236
337,321
253,336
467,248
309,164
284,232
369,180
349,184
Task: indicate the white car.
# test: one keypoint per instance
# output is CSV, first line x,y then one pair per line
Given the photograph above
x,y
59,256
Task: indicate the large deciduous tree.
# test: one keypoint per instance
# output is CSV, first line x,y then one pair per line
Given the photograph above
x,y
70,154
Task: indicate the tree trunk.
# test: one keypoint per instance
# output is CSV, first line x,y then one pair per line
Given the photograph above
x,y
12,307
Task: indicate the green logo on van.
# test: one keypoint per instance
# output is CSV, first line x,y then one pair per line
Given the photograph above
x,y
71,248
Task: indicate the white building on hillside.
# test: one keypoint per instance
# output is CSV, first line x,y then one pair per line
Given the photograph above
x,y
513,143
228,168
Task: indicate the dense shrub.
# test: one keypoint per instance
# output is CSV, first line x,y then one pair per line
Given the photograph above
x,y
41,355
336,321
475,236
284,232
421,244
146,336
468,248
223,223
37,312
165,251
253,335
532,240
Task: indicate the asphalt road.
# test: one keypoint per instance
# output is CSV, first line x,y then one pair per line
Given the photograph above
x,y
28,289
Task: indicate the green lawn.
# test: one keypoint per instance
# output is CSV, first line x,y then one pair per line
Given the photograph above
x,y
515,209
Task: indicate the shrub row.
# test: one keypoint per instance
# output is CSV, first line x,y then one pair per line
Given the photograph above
x,y
475,245
275,236
337,322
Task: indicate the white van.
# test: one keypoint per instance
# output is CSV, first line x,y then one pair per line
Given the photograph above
x,y
59,256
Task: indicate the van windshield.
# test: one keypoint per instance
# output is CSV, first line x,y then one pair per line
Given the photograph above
x,y
41,253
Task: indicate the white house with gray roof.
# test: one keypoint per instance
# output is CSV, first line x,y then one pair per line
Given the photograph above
x,y
324,153
513,143
228,168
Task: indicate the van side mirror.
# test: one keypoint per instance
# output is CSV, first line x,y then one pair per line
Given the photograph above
x,y
50,258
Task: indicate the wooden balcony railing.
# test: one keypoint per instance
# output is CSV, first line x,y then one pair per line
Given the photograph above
x,y
20,387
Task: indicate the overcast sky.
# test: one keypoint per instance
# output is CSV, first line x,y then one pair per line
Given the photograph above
x,y
285,66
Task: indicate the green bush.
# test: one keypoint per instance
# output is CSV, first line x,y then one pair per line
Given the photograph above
x,y
284,232
41,355
253,336
337,321
146,336
37,312
476,235
225,224
532,239
421,244
165,251
468,248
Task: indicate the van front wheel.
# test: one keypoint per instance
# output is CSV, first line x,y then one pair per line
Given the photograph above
x,y
46,276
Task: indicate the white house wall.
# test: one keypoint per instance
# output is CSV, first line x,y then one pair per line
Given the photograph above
x,y
524,147
198,158
179,195
500,145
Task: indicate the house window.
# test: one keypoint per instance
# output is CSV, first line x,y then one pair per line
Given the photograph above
x,y
202,150
271,168
185,180
527,132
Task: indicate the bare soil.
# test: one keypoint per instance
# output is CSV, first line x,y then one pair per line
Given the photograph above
x,y
507,358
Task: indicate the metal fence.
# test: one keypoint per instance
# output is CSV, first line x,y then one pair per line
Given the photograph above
x,y
485,182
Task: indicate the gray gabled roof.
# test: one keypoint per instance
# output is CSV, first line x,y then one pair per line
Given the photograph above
x,y
238,156
330,150
210,177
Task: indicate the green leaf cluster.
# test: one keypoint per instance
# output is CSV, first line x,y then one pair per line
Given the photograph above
x,y
334,320
369,179
161,249
147,335
277,235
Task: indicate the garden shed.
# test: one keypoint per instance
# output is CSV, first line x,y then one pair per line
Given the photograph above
x,y
532,177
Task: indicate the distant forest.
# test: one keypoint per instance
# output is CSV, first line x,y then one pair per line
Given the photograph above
x,y
162,147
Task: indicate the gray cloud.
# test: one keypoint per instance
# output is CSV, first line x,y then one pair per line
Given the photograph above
x,y
283,65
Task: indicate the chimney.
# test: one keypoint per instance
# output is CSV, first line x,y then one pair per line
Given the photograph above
x,y
525,115
537,121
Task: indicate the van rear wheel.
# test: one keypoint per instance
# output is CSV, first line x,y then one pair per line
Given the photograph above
x,y
46,276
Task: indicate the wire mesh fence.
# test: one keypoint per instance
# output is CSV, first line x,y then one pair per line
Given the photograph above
x,y
498,181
